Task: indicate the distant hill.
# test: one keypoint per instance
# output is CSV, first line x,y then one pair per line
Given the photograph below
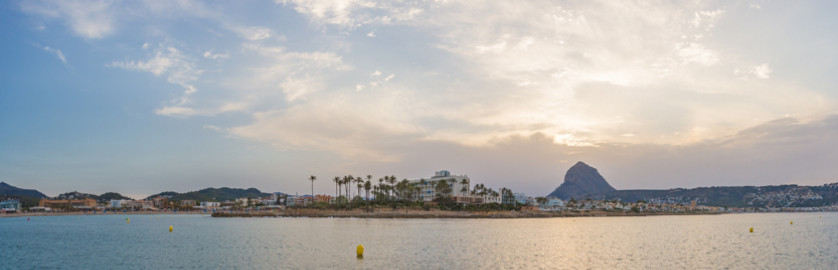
x,y
9,190
581,181
212,194
108,196
105,197
27,197
742,196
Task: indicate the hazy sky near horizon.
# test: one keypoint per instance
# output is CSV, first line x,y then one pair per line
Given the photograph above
x,y
139,97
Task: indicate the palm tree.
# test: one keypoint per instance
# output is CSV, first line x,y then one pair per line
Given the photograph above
x,y
360,182
465,184
367,187
348,181
343,183
392,181
336,180
312,178
381,185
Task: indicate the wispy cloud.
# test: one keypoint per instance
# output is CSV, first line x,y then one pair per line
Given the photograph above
x,y
56,52
254,33
176,67
215,56
89,19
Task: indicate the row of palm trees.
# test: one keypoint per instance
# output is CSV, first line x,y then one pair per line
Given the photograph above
x,y
389,188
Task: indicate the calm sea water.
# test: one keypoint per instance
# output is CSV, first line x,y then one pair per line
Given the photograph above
x,y
202,242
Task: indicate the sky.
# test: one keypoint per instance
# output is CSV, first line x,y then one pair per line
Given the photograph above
x,y
139,97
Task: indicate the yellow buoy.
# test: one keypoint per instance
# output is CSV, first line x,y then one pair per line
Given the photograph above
x,y
171,228
127,221
791,222
360,251
752,229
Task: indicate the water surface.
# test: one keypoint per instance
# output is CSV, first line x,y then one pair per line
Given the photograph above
x,y
202,242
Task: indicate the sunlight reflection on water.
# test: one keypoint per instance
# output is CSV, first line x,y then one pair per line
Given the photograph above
x,y
201,242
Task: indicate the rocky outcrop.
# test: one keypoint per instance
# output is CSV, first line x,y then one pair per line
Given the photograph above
x,y
582,181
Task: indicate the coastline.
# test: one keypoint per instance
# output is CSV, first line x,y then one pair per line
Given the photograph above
x,y
411,213
47,214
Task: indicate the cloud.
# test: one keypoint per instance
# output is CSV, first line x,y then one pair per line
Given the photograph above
x,y
351,14
761,71
215,56
254,33
88,19
176,67
176,111
775,152
212,127
696,53
56,52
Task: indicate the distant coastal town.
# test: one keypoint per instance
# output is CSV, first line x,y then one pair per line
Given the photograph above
x,y
362,195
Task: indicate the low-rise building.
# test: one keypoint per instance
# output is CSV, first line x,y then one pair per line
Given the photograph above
x,y
160,202
188,203
117,204
492,199
10,205
210,204
139,205
552,204
323,198
86,203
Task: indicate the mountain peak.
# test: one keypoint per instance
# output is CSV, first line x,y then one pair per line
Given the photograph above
x,y
582,180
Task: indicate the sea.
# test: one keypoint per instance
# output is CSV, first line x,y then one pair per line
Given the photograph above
x,y
778,241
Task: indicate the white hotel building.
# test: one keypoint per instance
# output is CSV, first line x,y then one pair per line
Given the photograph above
x,y
428,186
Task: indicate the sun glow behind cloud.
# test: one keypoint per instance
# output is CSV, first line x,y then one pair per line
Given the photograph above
x,y
370,80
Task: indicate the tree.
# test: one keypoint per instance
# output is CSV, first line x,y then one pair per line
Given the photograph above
x,y
337,181
360,182
367,187
348,181
392,181
465,184
312,178
442,189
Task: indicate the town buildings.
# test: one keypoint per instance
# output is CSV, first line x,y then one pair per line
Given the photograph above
x,y
86,203
188,203
160,202
10,205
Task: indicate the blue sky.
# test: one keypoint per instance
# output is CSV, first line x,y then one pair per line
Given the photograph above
x,y
139,97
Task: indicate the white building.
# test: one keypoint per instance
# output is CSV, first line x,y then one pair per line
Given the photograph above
x,y
210,204
522,199
552,204
119,203
10,205
427,187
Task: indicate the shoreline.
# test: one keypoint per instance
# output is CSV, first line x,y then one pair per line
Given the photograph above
x,y
411,214
49,214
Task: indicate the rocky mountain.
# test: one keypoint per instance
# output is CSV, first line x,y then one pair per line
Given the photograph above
x,y
582,181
